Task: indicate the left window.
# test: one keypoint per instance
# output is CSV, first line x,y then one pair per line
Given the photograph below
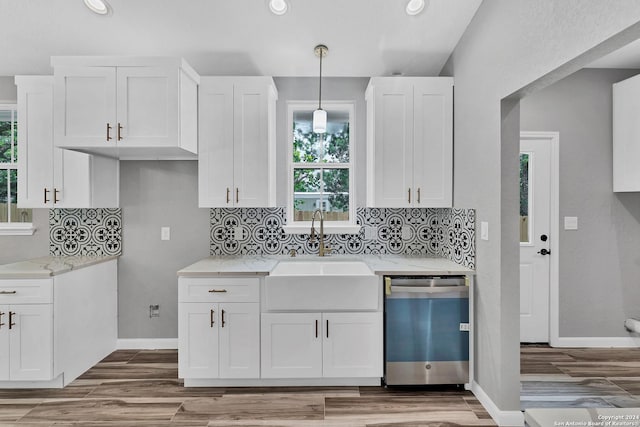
x,y
12,219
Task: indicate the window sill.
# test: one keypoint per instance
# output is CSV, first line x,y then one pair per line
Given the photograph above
x,y
17,229
328,229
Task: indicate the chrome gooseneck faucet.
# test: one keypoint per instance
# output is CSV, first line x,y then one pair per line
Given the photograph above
x,y
322,251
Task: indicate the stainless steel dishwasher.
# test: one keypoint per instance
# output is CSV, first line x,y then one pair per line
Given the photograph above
x,y
426,330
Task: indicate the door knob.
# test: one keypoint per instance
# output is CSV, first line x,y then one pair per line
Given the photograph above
x,y
544,252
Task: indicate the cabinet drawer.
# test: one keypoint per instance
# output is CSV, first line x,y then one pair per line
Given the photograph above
x,y
209,289
26,291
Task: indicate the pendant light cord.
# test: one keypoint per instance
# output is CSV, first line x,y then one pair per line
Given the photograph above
x,y
320,90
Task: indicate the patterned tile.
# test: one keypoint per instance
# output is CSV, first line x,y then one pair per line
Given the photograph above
x,y
449,233
85,232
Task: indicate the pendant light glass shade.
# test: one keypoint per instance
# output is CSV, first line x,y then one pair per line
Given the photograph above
x,y
97,6
319,121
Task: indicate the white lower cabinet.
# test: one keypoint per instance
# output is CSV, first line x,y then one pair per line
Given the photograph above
x,y
218,339
315,345
26,347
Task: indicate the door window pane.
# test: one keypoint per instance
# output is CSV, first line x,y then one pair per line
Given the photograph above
x,y
525,226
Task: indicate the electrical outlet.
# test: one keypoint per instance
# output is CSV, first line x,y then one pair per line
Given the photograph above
x,y
370,232
406,232
484,230
154,310
165,233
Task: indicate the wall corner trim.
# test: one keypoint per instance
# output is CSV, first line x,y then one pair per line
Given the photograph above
x,y
502,418
147,344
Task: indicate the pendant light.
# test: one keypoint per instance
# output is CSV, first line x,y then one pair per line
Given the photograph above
x,y
101,7
320,116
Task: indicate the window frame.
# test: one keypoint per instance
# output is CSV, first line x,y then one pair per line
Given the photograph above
x,y
330,227
13,228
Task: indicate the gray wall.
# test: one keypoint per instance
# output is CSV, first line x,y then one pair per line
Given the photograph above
x,y
19,248
510,45
333,89
156,194
600,261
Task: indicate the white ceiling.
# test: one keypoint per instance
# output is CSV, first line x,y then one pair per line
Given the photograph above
x,y
626,57
239,37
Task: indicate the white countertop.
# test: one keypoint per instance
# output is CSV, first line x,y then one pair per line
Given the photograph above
x,y
44,267
262,265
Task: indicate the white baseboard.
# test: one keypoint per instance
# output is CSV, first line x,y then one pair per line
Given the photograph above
x,y
147,344
502,418
595,342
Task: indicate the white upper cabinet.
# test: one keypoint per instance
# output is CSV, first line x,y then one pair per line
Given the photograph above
x,y
51,177
236,159
128,108
410,142
626,135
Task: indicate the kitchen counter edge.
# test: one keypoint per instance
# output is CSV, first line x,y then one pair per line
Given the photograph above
x,y
49,266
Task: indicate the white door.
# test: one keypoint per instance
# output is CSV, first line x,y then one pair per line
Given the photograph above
x,y
535,238
215,143
393,130
251,144
239,340
4,343
433,143
352,344
291,345
85,106
31,342
147,107
198,340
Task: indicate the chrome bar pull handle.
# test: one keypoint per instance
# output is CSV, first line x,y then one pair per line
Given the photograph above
x,y
8,292
109,132
228,192
222,324
211,318
46,200
237,194
11,322
316,328
214,291
418,194
55,196
1,324
119,132
327,328
409,198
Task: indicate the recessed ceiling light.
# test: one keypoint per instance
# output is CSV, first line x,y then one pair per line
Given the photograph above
x,y
414,7
278,7
97,6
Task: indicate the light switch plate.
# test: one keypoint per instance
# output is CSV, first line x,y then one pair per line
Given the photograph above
x,y
484,230
570,222
370,232
406,232
165,233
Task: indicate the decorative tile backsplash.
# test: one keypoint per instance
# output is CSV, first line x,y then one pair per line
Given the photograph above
x,y
85,232
445,232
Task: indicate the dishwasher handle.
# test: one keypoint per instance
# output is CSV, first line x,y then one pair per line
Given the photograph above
x,y
430,289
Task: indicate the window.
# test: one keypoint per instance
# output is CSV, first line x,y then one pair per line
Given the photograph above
x,y
321,169
12,219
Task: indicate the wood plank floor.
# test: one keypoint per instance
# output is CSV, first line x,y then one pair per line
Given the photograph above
x,y
141,388
579,378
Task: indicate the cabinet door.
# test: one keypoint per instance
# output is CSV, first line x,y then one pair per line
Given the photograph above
x,y
291,345
251,144
433,142
31,342
239,340
198,340
352,344
393,144
147,107
215,150
35,141
85,103
4,343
